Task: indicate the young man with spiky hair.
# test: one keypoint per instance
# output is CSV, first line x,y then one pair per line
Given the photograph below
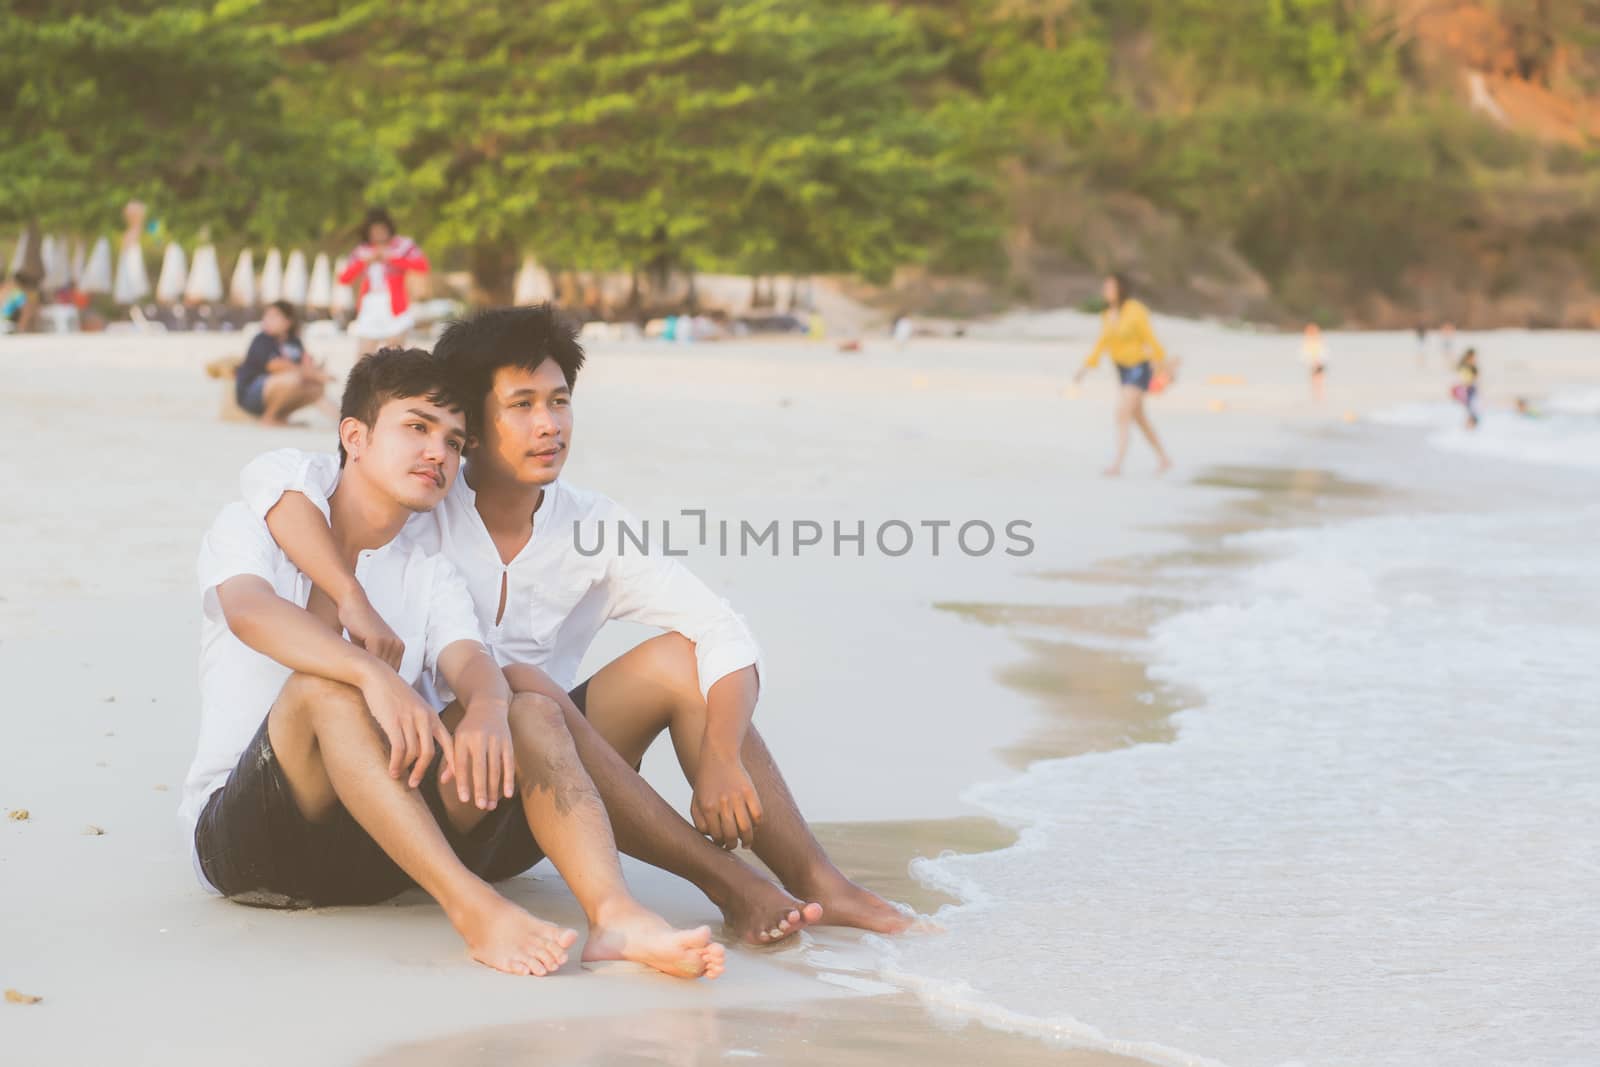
x,y
322,776
508,528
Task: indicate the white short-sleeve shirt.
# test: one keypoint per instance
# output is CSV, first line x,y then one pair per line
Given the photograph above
x,y
557,598
418,593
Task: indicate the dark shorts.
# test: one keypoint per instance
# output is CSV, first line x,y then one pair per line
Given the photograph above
x,y
256,848
253,397
1138,375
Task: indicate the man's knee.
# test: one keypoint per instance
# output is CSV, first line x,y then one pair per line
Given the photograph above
x,y
306,698
537,718
670,658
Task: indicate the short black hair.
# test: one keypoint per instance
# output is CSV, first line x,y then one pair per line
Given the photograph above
x,y
374,217
393,374
477,346
287,310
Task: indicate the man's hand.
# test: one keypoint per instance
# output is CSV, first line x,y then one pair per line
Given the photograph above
x,y
484,756
410,725
368,630
725,805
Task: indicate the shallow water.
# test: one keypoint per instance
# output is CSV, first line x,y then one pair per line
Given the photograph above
x,y
1372,840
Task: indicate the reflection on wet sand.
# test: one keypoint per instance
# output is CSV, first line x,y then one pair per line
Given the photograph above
x,y
839,1031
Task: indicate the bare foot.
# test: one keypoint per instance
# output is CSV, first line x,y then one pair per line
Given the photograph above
x,y
768,915
629,932
503,936
846,904
1163,467
1112,471
269,420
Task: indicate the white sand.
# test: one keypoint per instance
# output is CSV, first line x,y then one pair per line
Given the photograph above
x,y
878,706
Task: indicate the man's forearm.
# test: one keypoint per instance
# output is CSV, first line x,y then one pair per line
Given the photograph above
x,y
289,634
477,680
730,705
304,535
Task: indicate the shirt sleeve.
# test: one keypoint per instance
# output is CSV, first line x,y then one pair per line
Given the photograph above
x,y
1100,345
238,543
661,592
266,478
451,615
353,267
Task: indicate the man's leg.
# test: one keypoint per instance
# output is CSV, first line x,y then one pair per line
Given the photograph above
x,y
331,752
569,823
648,829
656,687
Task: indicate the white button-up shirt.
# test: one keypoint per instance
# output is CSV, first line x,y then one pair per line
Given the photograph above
x,y
556,598
417,592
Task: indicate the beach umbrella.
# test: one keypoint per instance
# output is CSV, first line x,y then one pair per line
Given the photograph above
x,y
96,274
205,277
294,279
19,255
319,294
132,284
533,284
57,259
344,297
80,259
242,289
271,287
174,272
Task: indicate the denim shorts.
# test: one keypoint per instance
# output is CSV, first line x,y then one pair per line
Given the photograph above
x,y
253,397
1138,375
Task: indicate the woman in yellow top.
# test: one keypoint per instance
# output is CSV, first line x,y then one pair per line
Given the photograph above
x,y
1125,333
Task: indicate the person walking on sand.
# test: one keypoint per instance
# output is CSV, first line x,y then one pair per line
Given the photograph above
x,y
381,261
1466,390
1126,335
1314,352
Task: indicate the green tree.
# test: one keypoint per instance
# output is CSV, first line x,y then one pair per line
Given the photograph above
x,y
647,134
175,103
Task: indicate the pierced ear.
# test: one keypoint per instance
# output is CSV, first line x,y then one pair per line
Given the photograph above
x,y
353,436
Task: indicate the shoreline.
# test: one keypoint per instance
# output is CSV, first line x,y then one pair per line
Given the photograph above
x,y
97,628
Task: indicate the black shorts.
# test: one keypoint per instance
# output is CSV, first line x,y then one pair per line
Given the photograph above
x,y
256,848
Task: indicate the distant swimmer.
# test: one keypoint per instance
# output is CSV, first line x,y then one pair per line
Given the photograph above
x,y
1125,333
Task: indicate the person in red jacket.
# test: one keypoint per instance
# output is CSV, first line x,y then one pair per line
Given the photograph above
x,y
381,262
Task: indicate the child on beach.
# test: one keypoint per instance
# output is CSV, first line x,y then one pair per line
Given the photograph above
x,y
1466,390
1313,351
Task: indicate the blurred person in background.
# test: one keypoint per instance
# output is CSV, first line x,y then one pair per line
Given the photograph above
x,y
381,261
